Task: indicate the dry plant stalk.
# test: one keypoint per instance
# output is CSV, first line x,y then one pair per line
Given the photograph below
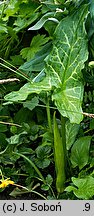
x,y
8,80
88,114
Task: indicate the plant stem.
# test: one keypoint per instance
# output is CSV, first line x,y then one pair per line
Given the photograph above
x,y
32,164
49,115
39,194
9,123
15,71
63,134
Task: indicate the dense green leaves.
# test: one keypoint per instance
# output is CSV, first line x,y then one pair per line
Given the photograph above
x,y
42,159
3,28
51,57
21,23
37,63
29,52
63,68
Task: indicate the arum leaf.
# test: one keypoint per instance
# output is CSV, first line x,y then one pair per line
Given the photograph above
x,y
53,19
80,152
42,21
31,104
27,89
65,63
71,132
92,8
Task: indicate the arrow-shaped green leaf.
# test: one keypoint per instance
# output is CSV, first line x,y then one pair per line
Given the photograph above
x,y
65,62
29,88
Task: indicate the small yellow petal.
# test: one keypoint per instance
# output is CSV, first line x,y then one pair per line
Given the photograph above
x,y
5,183
11,182
2,186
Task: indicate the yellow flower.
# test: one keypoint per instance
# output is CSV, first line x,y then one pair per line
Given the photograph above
x,y
6,182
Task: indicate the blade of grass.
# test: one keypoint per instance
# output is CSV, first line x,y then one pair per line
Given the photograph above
x,y
9,123
32,164
17,71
